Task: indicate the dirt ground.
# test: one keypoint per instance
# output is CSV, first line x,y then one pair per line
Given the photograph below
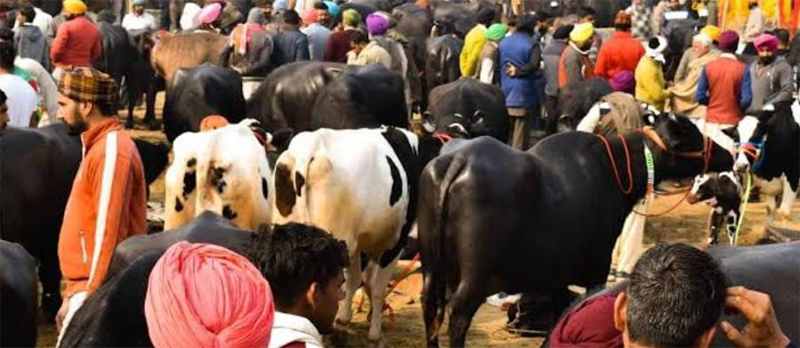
x,y
405,328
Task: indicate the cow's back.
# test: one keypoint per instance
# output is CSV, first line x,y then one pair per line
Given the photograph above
x,y
467,96
187,50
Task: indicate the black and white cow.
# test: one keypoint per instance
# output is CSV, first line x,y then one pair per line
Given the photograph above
x,y
777,168
361,186
18,295
495,219
723,192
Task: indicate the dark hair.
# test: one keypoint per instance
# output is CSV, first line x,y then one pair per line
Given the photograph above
x,y
3,97
294,256
106,109
106,16
562,32
7,55
6,34
525,23
28,12
676,294
291,17
359,37
486,16
319,5
262,3
586,11
783,36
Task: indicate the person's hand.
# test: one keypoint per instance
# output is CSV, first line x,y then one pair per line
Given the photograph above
x,y
511,70
62,313
762,328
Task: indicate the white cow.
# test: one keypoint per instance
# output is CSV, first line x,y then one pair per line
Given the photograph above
x,y
224,171
359,185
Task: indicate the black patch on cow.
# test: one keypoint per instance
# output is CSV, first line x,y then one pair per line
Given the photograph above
x,y
189,183
410,161
284,190
264,188
228,213
397,183
299,181
217,180
191,162
178,205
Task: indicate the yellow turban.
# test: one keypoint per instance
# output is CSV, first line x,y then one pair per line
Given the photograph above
x,y
712,31
74,7
582,32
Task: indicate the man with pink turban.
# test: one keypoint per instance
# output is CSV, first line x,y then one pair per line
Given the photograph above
x,y
770,77
317,33
202,295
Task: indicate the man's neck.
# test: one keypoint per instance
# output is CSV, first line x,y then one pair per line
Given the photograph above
x,y
294,309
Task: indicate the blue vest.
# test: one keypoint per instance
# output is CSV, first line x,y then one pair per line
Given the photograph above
x,y
520,91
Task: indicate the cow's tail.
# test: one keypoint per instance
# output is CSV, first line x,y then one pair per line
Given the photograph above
x,y
434,268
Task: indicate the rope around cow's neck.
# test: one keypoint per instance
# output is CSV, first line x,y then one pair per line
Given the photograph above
x,y
743,208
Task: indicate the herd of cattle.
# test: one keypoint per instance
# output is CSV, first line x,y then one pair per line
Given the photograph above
x,y
338,153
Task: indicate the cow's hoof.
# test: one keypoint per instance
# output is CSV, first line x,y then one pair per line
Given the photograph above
x,y
376,341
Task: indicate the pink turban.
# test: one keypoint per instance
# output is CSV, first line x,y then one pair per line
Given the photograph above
x,y
210,13
377,24
623,81
202,295
309,16
728,41
766,42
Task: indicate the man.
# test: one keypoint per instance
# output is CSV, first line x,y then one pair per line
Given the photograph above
x,y
517,50
108,199
377,27
784,40
686,80
339,42
22,99
755,22
651,87
29,40
261,13
724,87
589,15
691,55
138,19
323,13
317,34
574,64
366,52
77,43
474,42
304,265
488,70
771,77
551,57
640,18
290,45
620,53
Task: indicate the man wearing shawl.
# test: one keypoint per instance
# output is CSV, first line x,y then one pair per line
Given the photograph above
x,y
683,92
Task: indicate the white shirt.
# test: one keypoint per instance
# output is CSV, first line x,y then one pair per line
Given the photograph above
x,y
48,91
289,328
133,22
21,99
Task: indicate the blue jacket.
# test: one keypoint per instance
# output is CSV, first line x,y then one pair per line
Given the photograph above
x,y
520,91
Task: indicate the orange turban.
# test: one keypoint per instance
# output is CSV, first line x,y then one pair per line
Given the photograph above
x,y
212,122
202,295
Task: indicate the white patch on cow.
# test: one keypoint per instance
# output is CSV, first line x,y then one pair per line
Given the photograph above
x,y
458,128
347,191
746,128
235,150
699,181
733,178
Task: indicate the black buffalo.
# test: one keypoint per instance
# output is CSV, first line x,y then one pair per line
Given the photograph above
x,y
122,295
17,296
442,60
117,49
481,108
363,97
489,215
199,92
581,96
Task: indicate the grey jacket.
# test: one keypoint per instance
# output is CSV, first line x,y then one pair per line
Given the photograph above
x,y
774,84
31,43
551,55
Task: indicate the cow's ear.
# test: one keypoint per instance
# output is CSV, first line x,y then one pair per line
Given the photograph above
x,y
281,139
732,132
428,123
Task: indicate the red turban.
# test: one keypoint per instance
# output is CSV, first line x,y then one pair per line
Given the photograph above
x,y
202,295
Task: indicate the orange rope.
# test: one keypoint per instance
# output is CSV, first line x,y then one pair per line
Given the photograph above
x,y
614,164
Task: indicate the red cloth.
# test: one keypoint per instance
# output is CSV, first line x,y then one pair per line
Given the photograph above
x,y
76,44
202,295
337,47
725,76
591,325
621,52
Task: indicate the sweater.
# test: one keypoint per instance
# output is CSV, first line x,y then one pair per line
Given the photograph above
x,y
473,44
372,53
620,53
338,45
725,87
574,66
770,84
551,55
76,44
289,46
317,39
516,49
106,206
31,43
650,83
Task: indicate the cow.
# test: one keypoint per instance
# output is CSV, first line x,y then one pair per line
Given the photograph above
x,y
249,52
777,172
199,92
582,96
140,78
37,167
285,97
117,48
442,60
361,186
415,23
756,268
206,175
489,214
469,98
364,96
18,290
123,291
723,192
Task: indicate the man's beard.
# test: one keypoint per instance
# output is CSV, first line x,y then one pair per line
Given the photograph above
x,y
766,60
78,126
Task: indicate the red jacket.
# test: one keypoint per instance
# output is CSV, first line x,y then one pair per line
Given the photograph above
x,y
76,44
107,205
621,52
590,325
337,47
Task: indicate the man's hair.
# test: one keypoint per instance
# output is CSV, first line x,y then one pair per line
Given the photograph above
x,y
586,12
486,15
262,3
291,17
359,37
676,293
7,55
294,256
783,37
319,5
28,12
525,23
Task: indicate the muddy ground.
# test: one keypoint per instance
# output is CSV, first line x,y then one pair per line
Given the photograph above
x,y
404,328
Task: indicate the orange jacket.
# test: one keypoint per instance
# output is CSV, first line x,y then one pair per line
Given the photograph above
x,y
107,205
622,52
77,43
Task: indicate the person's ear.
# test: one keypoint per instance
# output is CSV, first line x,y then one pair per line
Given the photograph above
x,y
621,311
85,108
312,294
705,339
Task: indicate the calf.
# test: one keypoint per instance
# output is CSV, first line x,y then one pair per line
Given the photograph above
x,y
723,193
224,171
